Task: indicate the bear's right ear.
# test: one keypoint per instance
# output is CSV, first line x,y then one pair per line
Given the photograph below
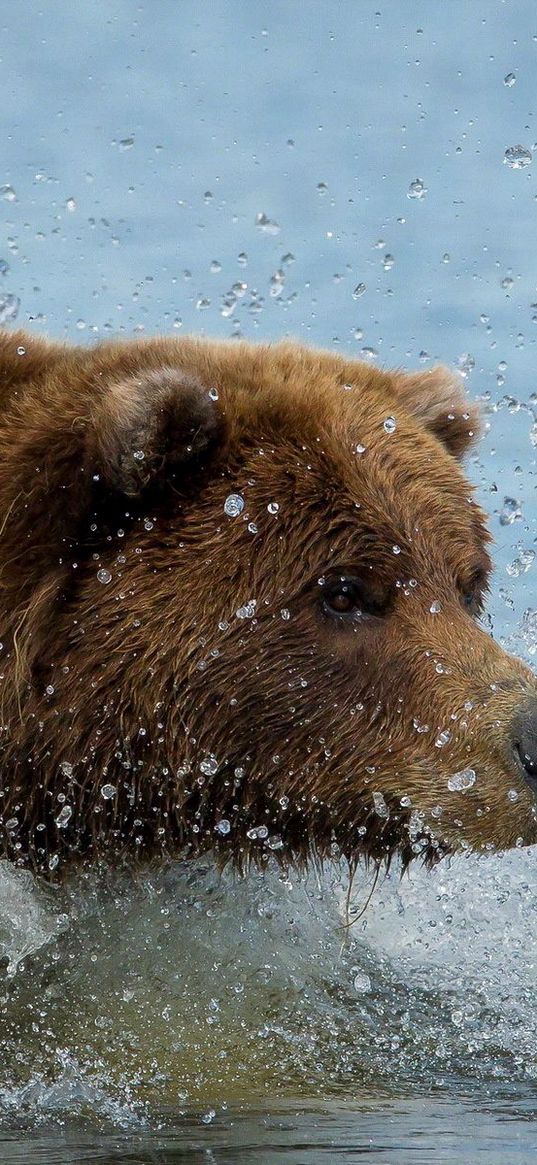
x,y
148,427
437,398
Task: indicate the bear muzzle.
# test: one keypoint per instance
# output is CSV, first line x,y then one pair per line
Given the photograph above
x,y
524,743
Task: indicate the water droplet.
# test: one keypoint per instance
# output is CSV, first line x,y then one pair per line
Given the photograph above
x,y
461,781
66,768
266,224
512,795
229,304
108,792
417,189
126,144
275,841
70,205
285,614
396,549
509,79
511,512
465,364
518,157
273,507
9,308
247,611
252,528
390,425
380,806
21,351
213,393
209,765
359,290
388,262
442,738
362,983
215,267
64,816
435,607
8,193
223,827
233,505
257,832
104,576
277,283
360,449
521,564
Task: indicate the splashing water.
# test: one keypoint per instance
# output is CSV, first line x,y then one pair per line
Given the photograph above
x,y
188,986
518,157
417,189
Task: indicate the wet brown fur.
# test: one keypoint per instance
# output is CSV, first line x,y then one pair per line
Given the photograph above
x,y
323,733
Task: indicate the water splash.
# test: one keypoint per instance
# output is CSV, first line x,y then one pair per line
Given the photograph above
x,y
518,157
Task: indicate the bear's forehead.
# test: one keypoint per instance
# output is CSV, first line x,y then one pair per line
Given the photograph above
x,y
374,491
405,508
336,441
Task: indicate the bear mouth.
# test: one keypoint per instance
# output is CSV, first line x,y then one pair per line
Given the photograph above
x,y
526,766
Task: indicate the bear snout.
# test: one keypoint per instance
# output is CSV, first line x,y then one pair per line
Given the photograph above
x,y
524,743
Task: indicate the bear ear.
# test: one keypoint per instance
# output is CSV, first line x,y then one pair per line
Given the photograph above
x,y
148,426
438,400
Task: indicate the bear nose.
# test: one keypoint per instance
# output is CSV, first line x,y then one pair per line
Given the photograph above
x,y
525,743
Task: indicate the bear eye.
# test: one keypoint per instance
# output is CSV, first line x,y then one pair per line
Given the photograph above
x,y
348,598
343,599
472,594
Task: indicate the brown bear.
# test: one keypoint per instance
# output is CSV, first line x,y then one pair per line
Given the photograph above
x,y
241,589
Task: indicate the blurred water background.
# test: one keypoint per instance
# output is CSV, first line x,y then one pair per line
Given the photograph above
x,y
359,175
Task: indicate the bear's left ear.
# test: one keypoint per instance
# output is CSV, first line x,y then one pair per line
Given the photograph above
x,y
438,400
148,426
75,444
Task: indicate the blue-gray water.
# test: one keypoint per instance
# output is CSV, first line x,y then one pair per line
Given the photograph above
x,y
243,168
